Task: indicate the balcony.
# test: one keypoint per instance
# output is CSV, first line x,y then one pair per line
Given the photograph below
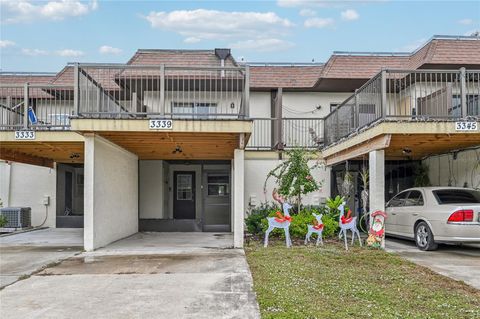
x,y
286,133
406,95
119,91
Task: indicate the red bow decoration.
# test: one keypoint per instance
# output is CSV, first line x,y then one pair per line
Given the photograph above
x,y
348,219
282,219
318,226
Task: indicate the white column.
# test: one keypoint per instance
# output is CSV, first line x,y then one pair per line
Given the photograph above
x,y
238,198
111,193
376,166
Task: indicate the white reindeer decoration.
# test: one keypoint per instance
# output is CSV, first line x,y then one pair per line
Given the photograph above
x,y
315,229
348,223
280,221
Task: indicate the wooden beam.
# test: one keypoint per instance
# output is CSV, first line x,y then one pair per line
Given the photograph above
x,y
16,156
376,143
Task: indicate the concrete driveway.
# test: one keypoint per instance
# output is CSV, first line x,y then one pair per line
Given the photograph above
x,y
457,262
26,253
149,275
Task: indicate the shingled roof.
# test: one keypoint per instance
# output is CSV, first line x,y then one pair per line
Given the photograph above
x,y
205,58
20,79
290,76
104,76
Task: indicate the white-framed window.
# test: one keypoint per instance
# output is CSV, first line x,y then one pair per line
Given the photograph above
x,y
201,108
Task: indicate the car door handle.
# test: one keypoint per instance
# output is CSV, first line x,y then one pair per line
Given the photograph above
x,y
415,214
394,213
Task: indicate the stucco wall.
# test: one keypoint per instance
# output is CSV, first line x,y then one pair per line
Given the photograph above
x,y
111,193
26,185
444,170
304,104
151,182
256,171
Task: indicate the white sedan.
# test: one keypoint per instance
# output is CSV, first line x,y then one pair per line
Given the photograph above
x,y
430,215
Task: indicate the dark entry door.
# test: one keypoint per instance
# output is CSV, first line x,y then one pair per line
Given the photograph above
x,y
69,191
184,195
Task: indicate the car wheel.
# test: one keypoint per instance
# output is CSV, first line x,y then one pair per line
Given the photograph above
x,y
424,237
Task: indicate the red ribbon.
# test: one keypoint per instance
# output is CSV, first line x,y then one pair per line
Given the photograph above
x,y
318,227
348,219
282,219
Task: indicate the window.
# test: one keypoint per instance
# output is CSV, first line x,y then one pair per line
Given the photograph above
x,y
184,187
194,107
415,198
333,106
218,185
473,105
398,200
457,196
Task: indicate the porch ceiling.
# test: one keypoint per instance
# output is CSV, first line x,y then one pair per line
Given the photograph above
x,y
405,141
47,148
176,145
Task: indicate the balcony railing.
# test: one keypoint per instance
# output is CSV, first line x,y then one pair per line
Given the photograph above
x,y
27,106
284,133
127,91
131,91
406,95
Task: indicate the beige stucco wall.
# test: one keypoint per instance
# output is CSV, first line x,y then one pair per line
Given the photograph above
x,y
151,181
444,170
26,185
256,171
111,193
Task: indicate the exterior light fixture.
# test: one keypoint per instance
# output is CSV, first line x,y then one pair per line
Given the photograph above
x,y
232,105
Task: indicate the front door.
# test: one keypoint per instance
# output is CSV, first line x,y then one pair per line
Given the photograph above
x,y
184,195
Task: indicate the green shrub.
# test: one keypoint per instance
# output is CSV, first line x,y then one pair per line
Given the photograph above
x,y
3,221
254,219
298,227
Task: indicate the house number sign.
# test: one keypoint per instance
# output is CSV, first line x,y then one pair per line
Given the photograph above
x,y
466,126
25,135
160,124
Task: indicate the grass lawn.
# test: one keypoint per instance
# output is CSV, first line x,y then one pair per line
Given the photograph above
x,y
329,282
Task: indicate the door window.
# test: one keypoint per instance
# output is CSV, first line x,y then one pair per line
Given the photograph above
x,y
218,185
398,200
184,187
415,198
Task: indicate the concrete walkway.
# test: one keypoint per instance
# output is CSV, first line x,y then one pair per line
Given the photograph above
x,y
149,275
25,253
457,262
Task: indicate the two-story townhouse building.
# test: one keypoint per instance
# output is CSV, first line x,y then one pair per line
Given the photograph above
x,y
182,140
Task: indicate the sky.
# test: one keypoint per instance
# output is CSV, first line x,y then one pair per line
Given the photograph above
x,y
42,36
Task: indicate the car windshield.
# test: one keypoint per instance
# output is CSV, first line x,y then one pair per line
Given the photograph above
x,y
457,196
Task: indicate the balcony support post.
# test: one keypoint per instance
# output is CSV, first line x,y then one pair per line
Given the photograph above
x,y
76,90
246,110
162,90
25,105
463,92
383,92
356,111
279,143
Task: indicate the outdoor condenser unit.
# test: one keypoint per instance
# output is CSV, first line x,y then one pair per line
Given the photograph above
x,y
17,217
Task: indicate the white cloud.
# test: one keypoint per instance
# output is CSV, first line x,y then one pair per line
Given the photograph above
x,y
262,45
202,24
307,12
6,44
319,22
34,52
350,15
413,45
192,40
466,21
69,53
18,11
105,49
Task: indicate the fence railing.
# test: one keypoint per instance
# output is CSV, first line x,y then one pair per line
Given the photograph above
x,y
28,106
406,95
126,91
273,133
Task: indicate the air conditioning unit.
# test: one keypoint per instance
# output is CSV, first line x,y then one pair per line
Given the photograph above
x,y
17,217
